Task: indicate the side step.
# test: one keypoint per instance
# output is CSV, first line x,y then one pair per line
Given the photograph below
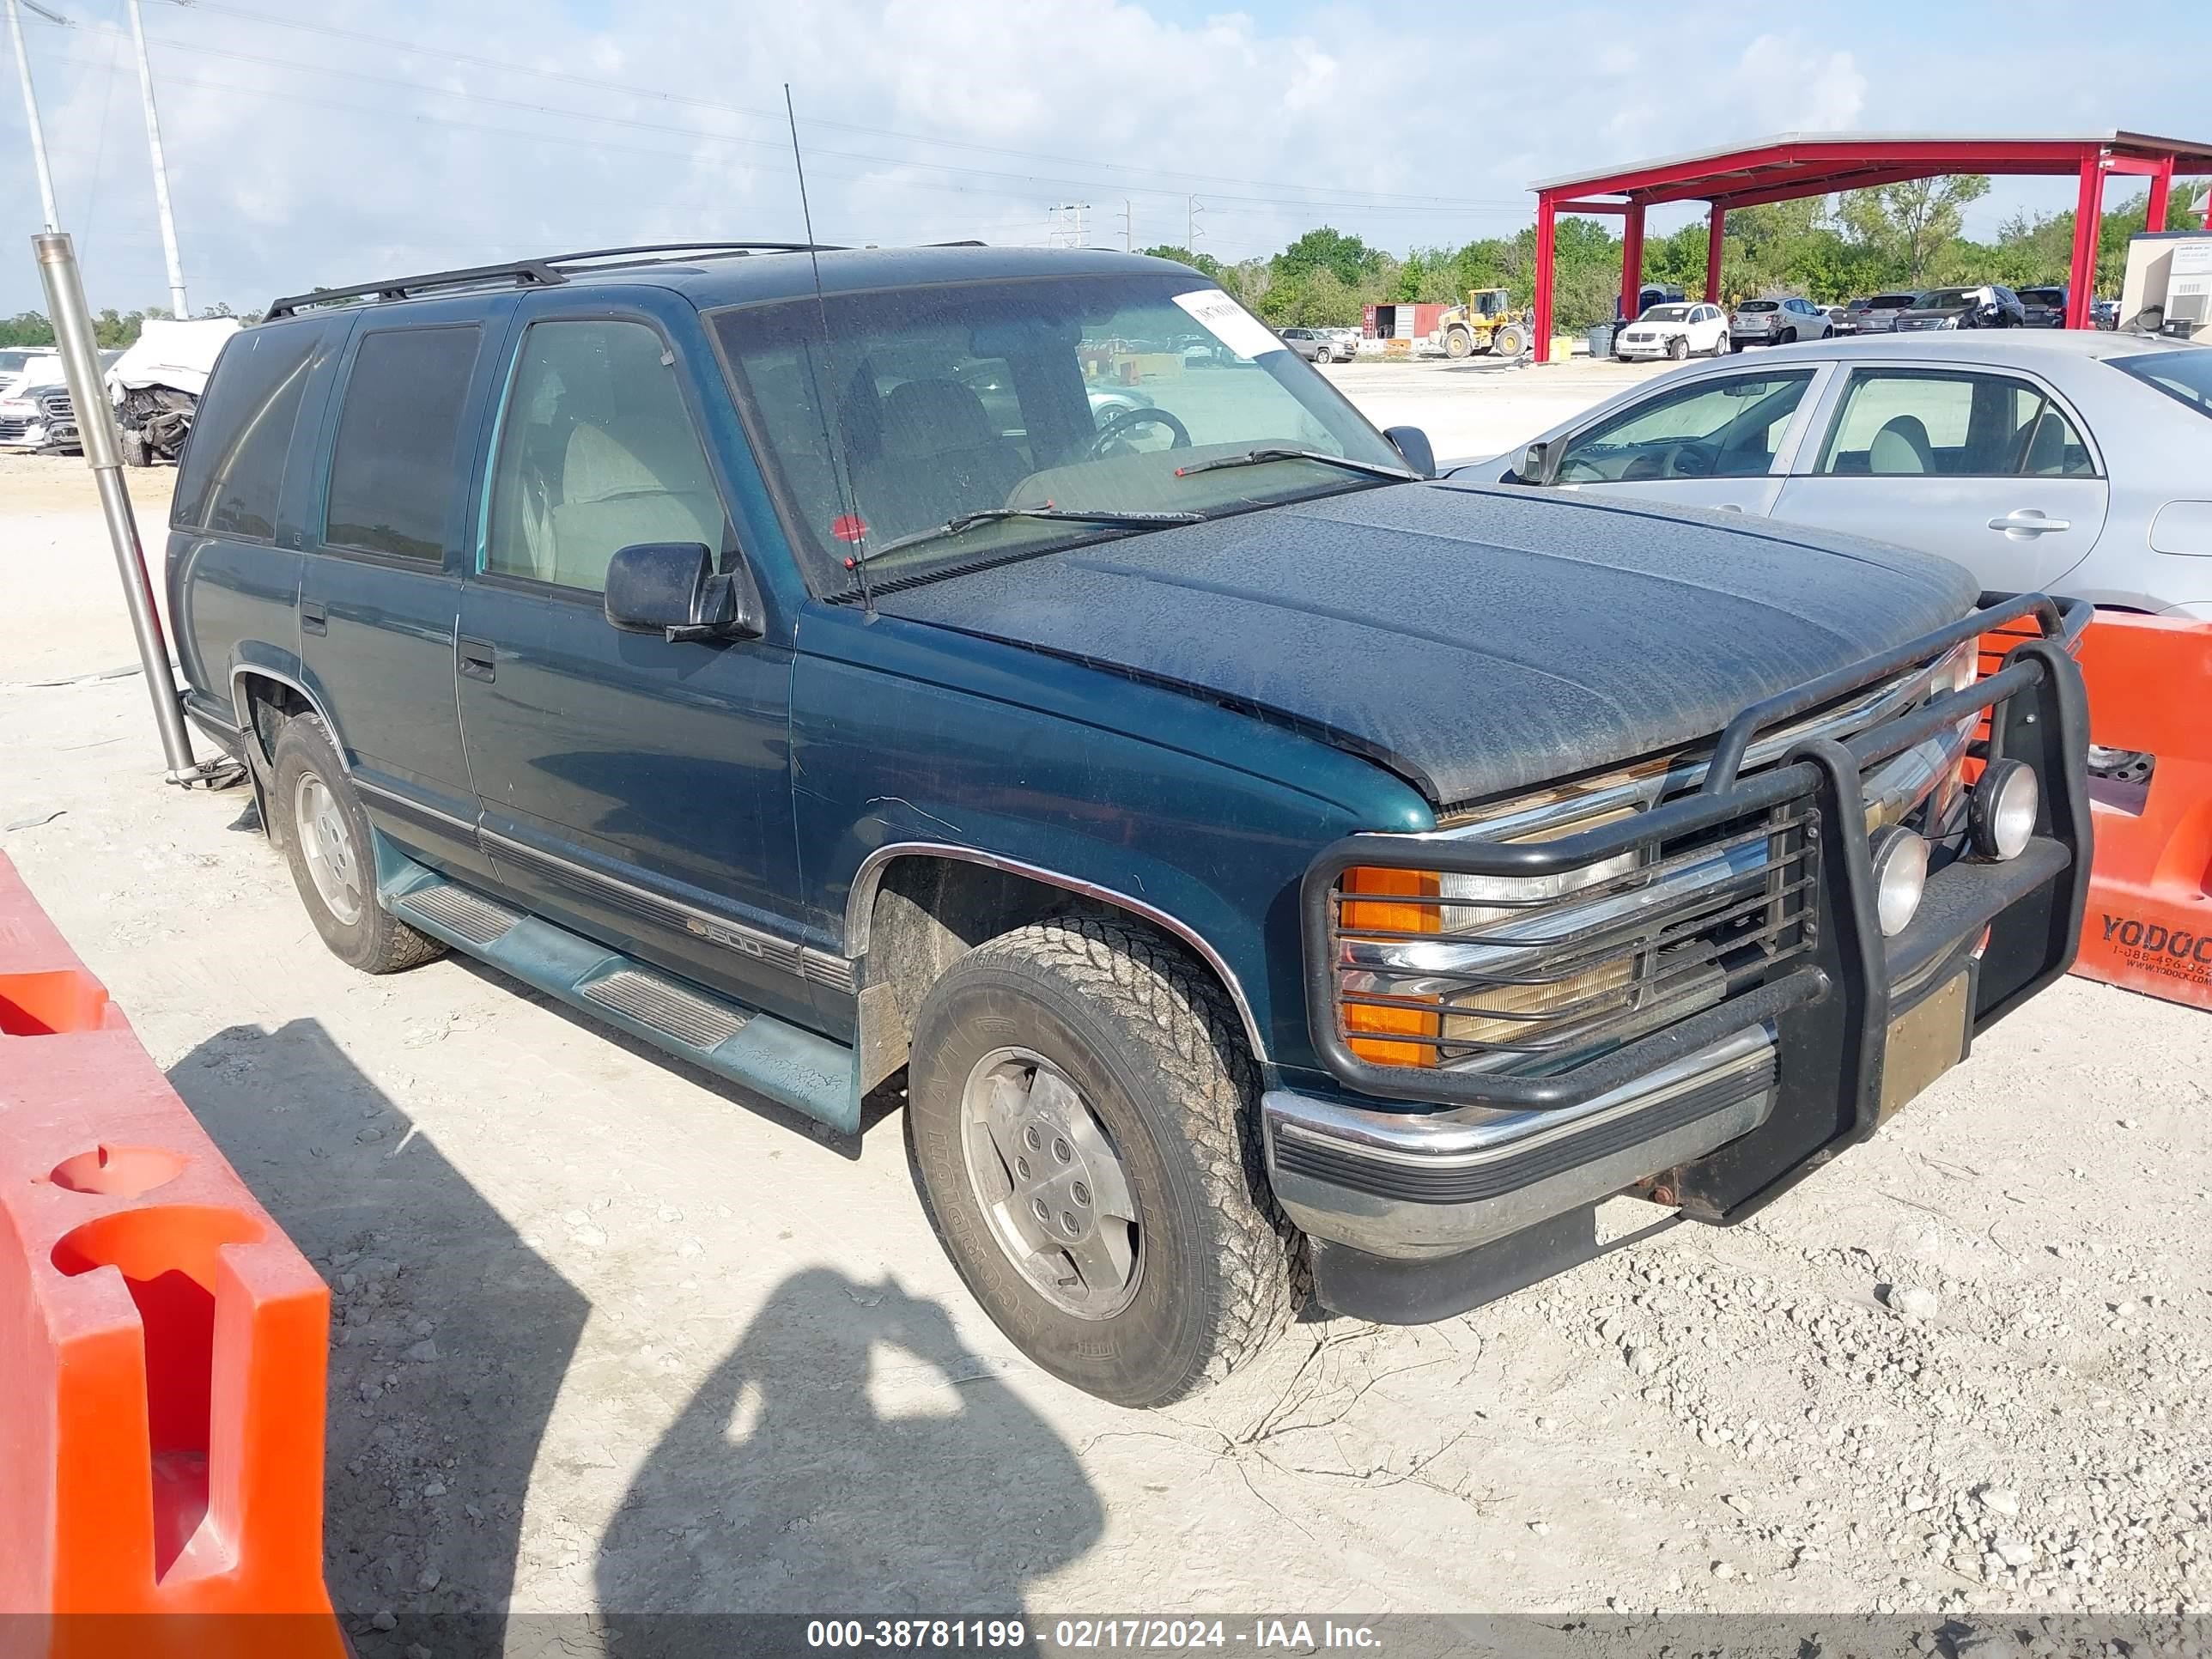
x,y
793,1067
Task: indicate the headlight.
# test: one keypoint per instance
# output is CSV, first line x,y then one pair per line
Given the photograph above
x,y
1948,322
1900,876
2003,809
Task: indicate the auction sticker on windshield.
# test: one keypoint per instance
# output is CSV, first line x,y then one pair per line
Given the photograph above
x,y
1229,322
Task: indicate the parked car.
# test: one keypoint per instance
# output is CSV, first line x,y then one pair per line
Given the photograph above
x,y
36,417
1777,322
2105,313
1676,332
2043,307
1245,893
1877,314
1991,305
1316,345
157,384
2061,460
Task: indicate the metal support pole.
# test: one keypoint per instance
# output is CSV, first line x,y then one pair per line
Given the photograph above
x,y
1716,231
160,169
31,117
95,422
2089,222
1546,217
2161,191
1632,262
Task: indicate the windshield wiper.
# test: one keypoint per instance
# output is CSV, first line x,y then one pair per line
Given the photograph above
x,y
953,526
1254,457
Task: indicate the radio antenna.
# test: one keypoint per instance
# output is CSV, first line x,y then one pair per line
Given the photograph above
x,y
850,527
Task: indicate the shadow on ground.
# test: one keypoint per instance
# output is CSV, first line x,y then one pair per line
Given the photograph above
x,y
850,1455
434,1420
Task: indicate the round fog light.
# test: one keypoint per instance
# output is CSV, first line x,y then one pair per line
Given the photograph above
x,y
1900,874
2002,809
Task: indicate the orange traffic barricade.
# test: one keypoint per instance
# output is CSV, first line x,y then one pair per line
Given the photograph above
x,y
162,1349
2149,921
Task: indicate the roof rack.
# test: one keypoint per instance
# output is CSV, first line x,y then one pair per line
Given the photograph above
x,y
544,272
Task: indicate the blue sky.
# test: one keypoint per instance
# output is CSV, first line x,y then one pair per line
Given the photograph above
x,y
319,140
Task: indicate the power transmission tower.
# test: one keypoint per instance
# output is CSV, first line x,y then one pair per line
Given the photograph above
x,y
1192,231
31,106
1128,227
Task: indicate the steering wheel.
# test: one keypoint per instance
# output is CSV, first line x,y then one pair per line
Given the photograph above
x,y
1120,425
1691,460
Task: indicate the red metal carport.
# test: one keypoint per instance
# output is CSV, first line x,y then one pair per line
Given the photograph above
x,y
1798,164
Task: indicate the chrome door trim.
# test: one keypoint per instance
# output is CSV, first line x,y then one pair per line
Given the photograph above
x,y
823,968
861,902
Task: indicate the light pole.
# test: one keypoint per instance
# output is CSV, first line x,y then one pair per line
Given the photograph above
x,y
160,170
31,104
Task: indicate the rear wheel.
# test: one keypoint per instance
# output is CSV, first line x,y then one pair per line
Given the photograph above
x,y
1789,337
1083,1120
315,817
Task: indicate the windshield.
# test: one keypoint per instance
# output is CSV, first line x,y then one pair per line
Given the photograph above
x,y
2183,375
1077,395
1667,314
1941,297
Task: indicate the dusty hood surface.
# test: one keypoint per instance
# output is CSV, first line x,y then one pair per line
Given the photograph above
x,y
1473,639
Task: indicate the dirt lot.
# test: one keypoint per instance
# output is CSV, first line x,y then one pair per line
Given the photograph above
x,y
614,1339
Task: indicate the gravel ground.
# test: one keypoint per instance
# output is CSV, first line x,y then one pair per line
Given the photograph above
x,y
615,1339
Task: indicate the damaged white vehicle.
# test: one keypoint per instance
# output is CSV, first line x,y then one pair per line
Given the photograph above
x,y
156,385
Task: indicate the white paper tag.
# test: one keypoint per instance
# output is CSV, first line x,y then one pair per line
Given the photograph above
x,y
1229,322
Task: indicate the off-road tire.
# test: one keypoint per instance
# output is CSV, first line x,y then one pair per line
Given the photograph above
x,y
1458,344
136,451
1157,1052
1507,341
376,941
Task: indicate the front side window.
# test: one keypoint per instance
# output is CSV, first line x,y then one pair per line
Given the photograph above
x,y
395,474
596,452
1951,422
1725,429
914,408
233,463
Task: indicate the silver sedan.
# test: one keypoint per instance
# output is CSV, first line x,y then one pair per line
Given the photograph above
x,y
2068,460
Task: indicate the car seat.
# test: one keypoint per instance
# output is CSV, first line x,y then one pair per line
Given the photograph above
x,y
939,456
1901,446
646,483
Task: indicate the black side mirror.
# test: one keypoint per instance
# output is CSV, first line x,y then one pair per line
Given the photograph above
x,y
669,589
1412,445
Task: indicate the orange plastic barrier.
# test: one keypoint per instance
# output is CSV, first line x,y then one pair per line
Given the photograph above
x,y
2149,922
162,1347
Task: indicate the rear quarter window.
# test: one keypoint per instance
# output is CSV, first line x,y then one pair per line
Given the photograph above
x,y
233,462
396,475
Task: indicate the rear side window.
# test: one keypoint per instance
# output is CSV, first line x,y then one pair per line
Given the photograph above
x,y
1952,423
2184,376
395,471
233,463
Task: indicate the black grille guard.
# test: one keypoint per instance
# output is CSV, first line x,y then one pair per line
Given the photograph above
x,y
1834,1008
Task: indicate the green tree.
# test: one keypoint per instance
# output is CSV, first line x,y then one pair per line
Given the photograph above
x,y
1913,225
1349,259
1182,255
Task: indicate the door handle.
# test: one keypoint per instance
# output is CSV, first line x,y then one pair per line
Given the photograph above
x,y
2028,522
312,618
477,657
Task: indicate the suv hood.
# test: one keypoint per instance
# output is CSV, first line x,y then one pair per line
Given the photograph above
x,y
1472,639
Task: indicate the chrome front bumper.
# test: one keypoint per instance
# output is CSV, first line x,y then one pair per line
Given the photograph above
x,y
1424,1184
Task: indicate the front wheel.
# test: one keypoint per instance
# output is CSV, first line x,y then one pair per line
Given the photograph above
x,y
1678,349
315,817
1083,1120
1508,340
1459,343
1323,355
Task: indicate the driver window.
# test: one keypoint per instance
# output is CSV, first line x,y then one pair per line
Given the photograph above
x,y
1730,428
596,452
